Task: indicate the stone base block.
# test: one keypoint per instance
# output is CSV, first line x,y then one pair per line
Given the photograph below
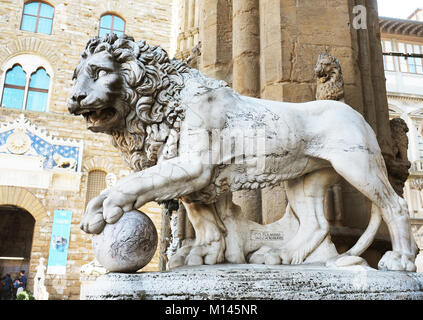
x,y
305,282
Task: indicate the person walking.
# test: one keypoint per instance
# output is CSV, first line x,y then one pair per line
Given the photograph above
x,y
22,282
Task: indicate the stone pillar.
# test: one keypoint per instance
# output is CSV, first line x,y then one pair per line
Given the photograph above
x,y
246,79
366,43
216,38
180,41
246,47
191,13
196,21
378,79
191,22
165,235
273,199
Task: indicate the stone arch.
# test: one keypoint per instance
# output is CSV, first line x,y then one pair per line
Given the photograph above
x,y
113,12
30,62
110,7
98,163
22,198
28,45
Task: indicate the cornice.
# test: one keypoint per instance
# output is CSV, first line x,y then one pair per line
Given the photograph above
x,y
401,26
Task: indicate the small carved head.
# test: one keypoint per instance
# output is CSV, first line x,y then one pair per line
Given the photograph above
x,y
327,67
398,125
110,179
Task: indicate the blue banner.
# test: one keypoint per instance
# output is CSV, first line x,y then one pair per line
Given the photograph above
x,y
59,244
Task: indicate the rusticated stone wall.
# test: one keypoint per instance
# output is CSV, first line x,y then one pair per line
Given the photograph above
x,y
74,23
40,203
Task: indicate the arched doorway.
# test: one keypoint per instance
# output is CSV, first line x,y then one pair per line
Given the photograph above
x,y
16,234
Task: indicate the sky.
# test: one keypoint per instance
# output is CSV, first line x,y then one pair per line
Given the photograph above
x,y
398,8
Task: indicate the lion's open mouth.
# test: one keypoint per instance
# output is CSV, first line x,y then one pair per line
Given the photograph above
x,y
101,118
323,77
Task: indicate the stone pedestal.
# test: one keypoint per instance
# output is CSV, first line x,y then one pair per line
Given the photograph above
x,y
305,282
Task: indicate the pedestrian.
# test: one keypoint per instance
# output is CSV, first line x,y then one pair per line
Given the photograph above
x,y
6,290
21,282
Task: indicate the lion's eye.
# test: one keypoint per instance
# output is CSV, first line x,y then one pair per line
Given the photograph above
x,y
101,73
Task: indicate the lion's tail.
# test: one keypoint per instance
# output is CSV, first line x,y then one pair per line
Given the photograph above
x,y
369,234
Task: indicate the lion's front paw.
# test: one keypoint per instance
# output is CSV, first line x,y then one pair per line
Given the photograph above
x,y
116,204
396,261
93,221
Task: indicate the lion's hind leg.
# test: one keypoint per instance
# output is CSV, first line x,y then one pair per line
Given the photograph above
x,y
365,170
306,196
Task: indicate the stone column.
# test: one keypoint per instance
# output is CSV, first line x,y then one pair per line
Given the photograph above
x,y
246,79
191,22
165,235
196,20
180,41
271,73
246,47
378,79
374,104
215,24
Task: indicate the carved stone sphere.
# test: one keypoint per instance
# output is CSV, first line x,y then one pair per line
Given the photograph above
x,y
127,245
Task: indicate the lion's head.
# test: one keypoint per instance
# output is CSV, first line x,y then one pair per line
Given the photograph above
x,y
129,90
330,82
327,68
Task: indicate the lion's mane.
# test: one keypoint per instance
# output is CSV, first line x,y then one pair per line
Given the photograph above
x,y
150,87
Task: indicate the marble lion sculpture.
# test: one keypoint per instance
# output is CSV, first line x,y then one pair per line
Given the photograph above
x,y
164,117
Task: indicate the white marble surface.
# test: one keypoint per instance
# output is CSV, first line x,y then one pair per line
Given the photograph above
x,y
256,282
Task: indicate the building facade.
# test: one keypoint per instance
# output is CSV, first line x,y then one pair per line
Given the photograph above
x,y
50,164
404,83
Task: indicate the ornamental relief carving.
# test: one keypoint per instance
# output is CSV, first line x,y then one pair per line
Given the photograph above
x,y
18,142
22,138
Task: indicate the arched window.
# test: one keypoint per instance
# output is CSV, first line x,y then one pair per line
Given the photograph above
x,y
96,183
38,91
37,17
26,83
14,88
111,24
